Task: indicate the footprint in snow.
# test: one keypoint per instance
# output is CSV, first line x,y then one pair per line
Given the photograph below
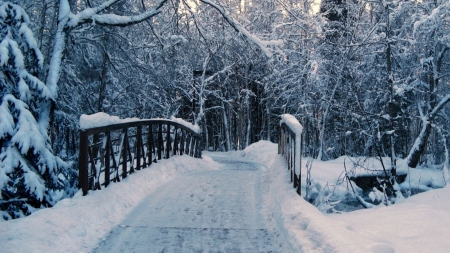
x,y
381,248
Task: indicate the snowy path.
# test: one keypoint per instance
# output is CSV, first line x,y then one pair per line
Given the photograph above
x,y
201,211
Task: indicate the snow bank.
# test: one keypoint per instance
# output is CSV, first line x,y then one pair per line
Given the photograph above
x,y
307,229
328,172
418,224
78,224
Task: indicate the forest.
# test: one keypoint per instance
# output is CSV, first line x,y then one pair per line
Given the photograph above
x,y
365,78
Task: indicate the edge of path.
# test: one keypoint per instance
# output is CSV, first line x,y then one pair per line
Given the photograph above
x,y
79,223
306,228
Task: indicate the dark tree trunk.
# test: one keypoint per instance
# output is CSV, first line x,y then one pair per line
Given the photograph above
x,y
419,145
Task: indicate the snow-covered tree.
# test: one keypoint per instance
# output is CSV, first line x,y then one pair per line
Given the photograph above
x,y
30,175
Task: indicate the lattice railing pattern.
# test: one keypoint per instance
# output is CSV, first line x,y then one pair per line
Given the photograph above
x,y
110,153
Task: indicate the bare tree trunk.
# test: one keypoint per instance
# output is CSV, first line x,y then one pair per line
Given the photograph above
x,y
419,145
324,119
226,130
391,94
205,130
268,121
103,82
247,138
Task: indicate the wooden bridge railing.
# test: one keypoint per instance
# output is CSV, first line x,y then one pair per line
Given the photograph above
x,y
110,153
289,146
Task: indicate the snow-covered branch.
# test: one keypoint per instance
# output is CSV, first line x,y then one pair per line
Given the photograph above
x,y
264,45
68,20
91,14
223,71
439,106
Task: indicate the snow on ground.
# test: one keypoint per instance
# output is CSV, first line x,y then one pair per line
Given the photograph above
x,y
78,224
201,211
417,224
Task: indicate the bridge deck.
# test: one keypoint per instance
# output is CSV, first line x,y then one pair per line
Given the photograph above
x,y
202,211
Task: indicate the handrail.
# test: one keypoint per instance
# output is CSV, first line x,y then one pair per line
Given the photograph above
x,y
110,153
289,146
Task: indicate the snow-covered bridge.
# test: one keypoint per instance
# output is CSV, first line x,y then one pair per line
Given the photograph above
x,y
202,211
111,149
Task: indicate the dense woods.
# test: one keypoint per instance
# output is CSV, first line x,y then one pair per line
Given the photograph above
x,y
364,78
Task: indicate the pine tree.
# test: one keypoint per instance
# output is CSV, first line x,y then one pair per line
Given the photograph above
x,y
31,177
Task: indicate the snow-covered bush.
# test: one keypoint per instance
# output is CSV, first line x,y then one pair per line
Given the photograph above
x,y
31,177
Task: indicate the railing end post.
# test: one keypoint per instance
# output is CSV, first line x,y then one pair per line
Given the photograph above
x,y
83,176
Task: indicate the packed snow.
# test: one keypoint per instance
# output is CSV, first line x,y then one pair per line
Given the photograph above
x,y
417,224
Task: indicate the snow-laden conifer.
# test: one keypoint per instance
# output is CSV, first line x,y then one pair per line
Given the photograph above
x,y
31,177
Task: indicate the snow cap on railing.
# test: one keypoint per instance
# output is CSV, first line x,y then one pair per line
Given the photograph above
x,y
292,123
297,128
103,119
189,125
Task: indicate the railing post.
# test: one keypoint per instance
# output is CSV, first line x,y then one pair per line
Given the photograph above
x,y
183,136
279,139
198,150
107,158
138,147
175,140
299,187
194,147
150,144
293,159
289,146
168,142
160,141
124,154
187,145
83,181
191,145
